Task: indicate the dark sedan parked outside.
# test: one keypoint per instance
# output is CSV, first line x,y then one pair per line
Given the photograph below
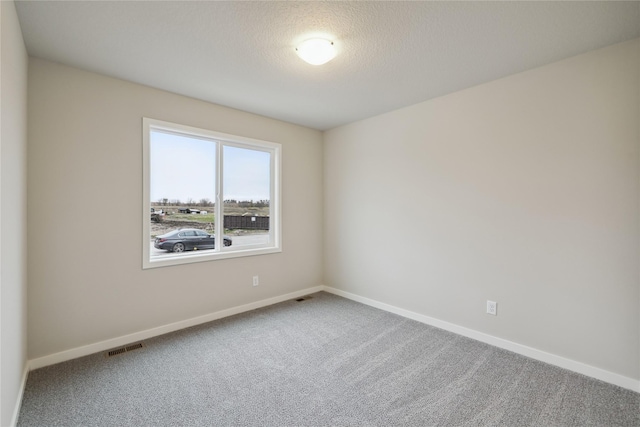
x,y
187,239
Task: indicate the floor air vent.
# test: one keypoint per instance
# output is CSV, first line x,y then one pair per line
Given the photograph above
x,y
304,298
124,349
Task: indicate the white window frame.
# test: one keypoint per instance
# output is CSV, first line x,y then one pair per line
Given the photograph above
x,y
220,252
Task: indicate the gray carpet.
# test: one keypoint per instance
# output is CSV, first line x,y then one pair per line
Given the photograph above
x,y
324,361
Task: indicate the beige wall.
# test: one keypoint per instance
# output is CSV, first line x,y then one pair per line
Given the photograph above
x,y
86,282
13,205
523,191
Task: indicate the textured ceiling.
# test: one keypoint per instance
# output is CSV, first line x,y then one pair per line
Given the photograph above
x,y
391,54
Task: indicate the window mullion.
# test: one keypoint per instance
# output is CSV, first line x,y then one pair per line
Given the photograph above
x,y
219,211
273,196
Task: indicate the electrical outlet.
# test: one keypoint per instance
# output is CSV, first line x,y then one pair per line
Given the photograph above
x,y
492,308
256,280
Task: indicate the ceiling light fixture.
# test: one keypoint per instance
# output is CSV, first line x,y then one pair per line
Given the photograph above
x,y
316,51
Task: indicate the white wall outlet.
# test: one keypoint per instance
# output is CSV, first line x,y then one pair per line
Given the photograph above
x,y
256,280
492,308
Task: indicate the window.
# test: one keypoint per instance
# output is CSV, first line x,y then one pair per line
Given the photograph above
x,y
200,184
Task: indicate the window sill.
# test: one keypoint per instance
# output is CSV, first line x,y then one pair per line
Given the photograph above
x,y
202,256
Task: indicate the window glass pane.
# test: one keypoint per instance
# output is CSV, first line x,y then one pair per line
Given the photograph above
x,y
181,190
247,195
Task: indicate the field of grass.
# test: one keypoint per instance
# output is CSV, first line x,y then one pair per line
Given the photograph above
x,y
191,217
174,211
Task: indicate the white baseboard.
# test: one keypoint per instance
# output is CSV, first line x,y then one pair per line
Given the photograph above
x,y
552,359
149,333
23,385
572,365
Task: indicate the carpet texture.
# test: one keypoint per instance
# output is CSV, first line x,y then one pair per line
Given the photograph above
x,y
325,361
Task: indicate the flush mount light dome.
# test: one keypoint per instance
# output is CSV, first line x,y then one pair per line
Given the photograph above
x,y
316,51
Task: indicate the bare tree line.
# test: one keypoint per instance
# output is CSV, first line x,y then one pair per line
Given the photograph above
x,y
204,203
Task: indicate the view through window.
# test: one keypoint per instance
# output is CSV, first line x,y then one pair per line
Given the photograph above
x,y
200,185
